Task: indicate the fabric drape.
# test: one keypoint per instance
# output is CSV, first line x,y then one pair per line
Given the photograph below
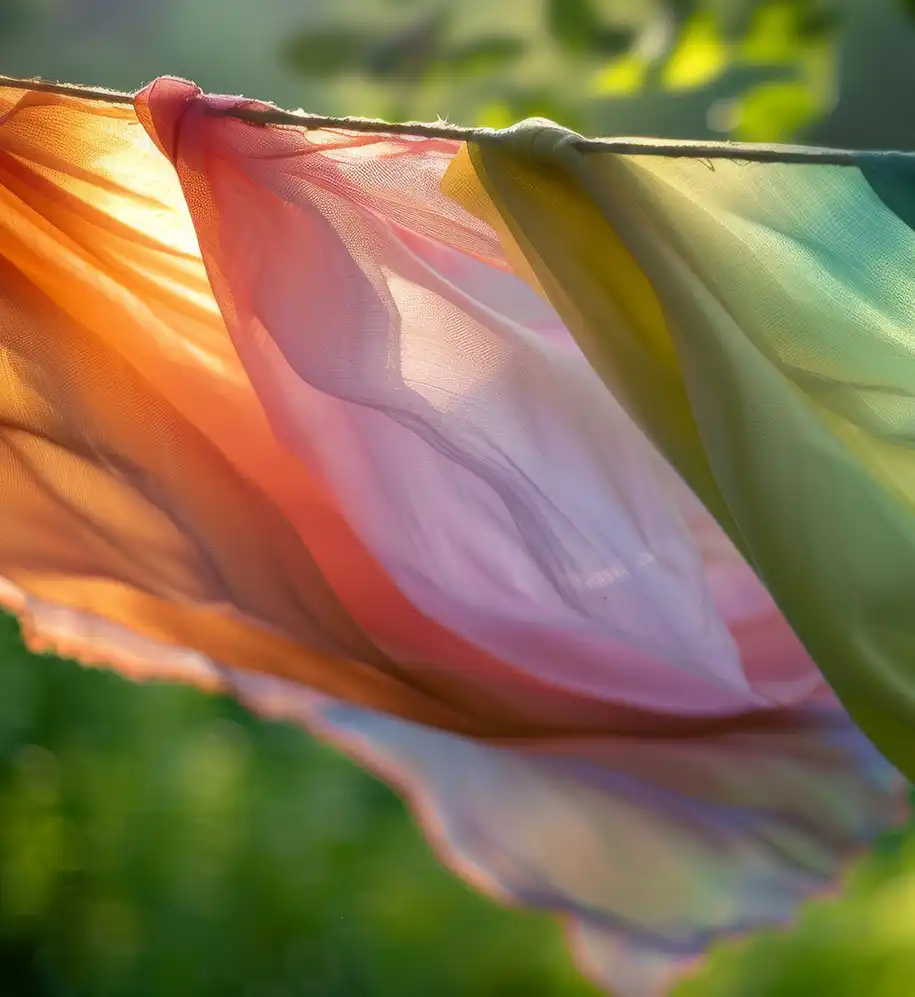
x,y
548,483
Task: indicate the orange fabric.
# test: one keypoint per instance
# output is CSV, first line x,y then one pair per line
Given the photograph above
x,y
165,503
140,478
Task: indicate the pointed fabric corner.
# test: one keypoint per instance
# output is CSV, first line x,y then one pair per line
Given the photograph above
x,y
755,321
317,418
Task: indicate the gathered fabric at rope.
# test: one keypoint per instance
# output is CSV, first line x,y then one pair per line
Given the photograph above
x,y
270,115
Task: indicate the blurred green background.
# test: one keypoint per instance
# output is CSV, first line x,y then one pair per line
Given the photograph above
x,y
158,843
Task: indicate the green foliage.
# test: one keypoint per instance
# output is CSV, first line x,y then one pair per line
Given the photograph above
x,y
412,52
776,109
700,55
156,841
485,55
772,61
576,27
330,52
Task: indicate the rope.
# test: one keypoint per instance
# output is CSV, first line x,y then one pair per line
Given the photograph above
x,y
268,114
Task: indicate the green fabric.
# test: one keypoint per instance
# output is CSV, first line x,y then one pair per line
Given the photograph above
x,y
758,321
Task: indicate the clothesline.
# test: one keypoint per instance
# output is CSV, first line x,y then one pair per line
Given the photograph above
x,y
266,114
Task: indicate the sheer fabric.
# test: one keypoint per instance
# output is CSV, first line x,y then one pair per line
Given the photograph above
x,y
757,320
347,425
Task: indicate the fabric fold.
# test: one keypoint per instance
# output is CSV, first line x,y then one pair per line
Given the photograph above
x,y
323,419
464,435
755,319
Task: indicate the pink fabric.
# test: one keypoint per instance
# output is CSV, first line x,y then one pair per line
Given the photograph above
x,y
465,438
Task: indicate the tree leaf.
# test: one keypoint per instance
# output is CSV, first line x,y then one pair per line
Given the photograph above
x,y
410,52
486,55
699,57
817,22
573,24
625,75
328,52
611,40
772,36
780,28
777,112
